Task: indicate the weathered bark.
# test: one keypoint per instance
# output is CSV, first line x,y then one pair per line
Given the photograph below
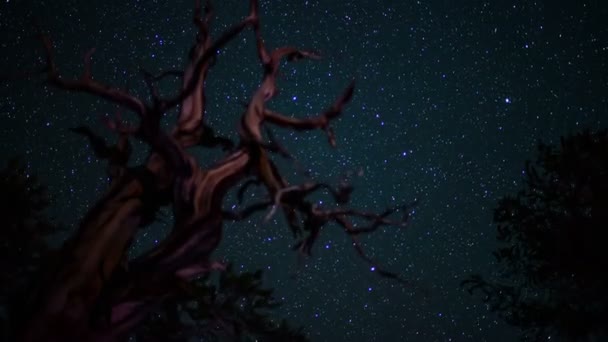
x,y
94,292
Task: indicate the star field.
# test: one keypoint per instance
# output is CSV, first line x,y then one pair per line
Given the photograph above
x,y
451,99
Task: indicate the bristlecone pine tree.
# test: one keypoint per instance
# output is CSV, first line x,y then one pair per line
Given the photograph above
x,y
93,291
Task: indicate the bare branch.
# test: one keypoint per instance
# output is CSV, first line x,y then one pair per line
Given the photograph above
x,y
253,117
160,76
152,87
86,83
319,122
247,212
342,221
192,80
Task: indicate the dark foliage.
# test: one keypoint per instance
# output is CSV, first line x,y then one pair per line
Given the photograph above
x,y
23,233
232,307
553,236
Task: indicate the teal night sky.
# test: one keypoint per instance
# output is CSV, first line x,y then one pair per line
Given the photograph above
x,y
451,98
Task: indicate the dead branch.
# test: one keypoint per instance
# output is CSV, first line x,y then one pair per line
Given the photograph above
x,y
86,83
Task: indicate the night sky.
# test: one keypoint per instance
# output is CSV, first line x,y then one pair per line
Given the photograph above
x,y
451,99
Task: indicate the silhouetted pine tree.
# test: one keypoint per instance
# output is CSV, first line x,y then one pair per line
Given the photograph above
x,y
553,237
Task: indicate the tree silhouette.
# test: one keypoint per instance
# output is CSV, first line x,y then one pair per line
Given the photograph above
x,y
233,307
23,233
553,237
94,291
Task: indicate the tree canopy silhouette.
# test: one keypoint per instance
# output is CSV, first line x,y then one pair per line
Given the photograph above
x,y
94,291
23,233
553,237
